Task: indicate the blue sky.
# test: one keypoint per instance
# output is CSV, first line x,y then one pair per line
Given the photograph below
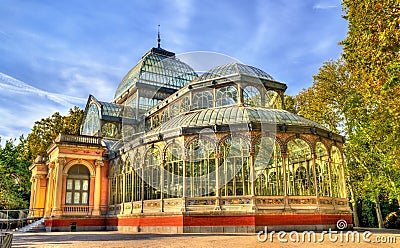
x,y
53,54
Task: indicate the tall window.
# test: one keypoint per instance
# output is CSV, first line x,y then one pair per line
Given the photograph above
x,y
252,96
236,169
299,170
338,189
152,174
137,177
268,167
202,100
322,170
77,192
173,173
201,169
226,96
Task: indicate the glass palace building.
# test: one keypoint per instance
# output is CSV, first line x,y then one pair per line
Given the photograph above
x,y
180,152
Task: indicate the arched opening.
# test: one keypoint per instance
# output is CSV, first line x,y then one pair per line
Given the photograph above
x,y
226,96
273,100
268,167
77,188
200,169
235,167
299,170
152,174
202,100
252,96
322,170
173,173
338,189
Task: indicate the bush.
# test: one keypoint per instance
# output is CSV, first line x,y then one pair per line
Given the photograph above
x,y
392,221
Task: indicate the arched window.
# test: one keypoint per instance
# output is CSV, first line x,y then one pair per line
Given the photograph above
x,y
252,96
226,96
174,109
152,176
338,188
268,167
92,121
235,167
300,173
120,182
77,188
322,169
273,100
185,104
173,173
201,169
202,100
109,130
137,176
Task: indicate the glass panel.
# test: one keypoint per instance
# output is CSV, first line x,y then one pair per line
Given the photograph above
x,y
77,185
85,185
85,197
77,197
68,199
69,183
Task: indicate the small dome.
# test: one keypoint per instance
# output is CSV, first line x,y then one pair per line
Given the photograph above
x,y
234,69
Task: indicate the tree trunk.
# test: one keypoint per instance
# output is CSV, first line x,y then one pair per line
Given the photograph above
x,y
354,206
378,212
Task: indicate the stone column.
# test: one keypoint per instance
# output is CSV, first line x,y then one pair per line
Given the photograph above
x,y
97,188
57,192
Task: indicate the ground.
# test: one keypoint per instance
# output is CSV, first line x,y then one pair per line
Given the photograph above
x,y
125,239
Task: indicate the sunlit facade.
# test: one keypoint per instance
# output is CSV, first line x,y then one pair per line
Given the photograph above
x,y
180,152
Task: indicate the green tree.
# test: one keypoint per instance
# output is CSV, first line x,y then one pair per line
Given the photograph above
x,y
14,174
46,130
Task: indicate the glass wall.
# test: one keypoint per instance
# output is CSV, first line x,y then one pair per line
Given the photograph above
x,y
173,173
226,96
252,96
152,174
202,100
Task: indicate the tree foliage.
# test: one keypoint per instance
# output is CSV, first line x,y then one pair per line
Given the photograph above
x,y
14,174
46,130
358,96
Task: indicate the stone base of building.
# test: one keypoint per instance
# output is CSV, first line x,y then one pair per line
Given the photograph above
x,y
188,223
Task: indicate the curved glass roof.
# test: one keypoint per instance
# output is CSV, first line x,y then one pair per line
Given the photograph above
x,y
234,114
234,69
157,67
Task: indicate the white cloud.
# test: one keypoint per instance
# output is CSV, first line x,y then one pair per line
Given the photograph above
x,y
11,84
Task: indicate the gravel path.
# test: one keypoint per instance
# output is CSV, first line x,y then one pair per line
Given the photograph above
x,y
124,239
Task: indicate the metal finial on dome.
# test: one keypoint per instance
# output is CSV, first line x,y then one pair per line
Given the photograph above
x,y
159,39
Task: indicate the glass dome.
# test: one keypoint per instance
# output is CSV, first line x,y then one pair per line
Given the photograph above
x,y
234,69
157,67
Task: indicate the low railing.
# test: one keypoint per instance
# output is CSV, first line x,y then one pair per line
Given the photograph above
x,y
14,219
76,210
78,139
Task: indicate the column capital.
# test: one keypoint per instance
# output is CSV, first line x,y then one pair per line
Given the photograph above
x,y
99,163
61,161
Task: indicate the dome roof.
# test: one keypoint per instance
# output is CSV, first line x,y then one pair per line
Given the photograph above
x,y
157,67
234,69
229,115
